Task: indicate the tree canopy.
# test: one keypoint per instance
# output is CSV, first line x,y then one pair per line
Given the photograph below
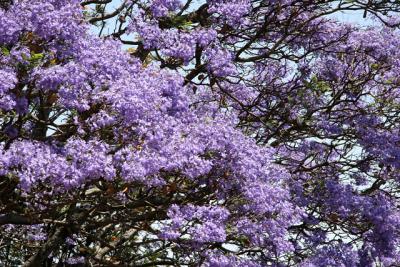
x,y
199,133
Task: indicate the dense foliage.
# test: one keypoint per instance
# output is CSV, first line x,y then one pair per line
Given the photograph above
x,y
199,133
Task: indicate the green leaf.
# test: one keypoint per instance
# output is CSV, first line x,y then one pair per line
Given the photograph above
x,y
375,66
317,85
35,57
5,51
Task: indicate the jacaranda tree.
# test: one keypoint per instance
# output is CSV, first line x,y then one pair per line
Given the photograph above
x,y
199,133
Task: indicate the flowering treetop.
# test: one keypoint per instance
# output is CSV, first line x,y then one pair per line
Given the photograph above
x,y
230,133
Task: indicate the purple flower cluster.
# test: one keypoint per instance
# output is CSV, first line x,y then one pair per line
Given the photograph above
x,y
230,12
171,151
153,130
7,82
160,8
